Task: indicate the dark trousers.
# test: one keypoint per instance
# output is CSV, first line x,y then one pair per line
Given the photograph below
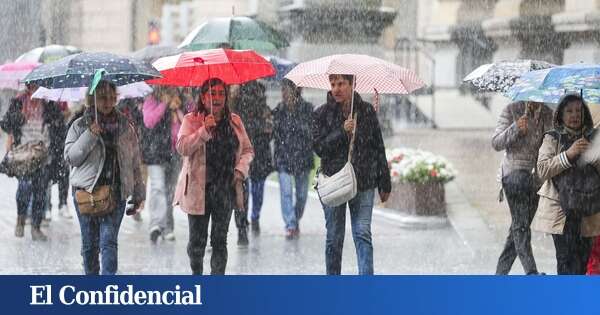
x,y
572,250
63,188
32,189
218,208
521,195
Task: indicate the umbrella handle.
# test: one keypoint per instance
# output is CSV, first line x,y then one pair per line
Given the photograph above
x,y
352,102
95,109
210,92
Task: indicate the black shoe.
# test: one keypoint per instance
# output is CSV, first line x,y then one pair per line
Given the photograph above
x,y
154,235
255,226
242,237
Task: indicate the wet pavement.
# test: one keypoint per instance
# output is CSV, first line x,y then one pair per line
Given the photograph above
x,y
469,245
398,249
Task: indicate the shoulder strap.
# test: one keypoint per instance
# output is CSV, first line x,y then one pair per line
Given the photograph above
x,y
352,139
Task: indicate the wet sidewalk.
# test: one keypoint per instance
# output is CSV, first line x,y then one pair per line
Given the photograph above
x,y
474,210
470,244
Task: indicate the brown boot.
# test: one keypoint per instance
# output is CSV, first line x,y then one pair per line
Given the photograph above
x,y
37,235
20,228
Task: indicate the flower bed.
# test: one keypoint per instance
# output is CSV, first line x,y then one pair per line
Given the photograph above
x,y
419,167
418,179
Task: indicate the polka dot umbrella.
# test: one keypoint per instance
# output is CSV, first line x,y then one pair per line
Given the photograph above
x,y
78,71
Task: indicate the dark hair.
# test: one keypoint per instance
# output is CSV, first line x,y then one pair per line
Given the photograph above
x,y
348,77
205,87
103,84
587,116
291,86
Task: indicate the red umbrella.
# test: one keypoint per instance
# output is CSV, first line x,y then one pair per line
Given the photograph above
x,y
194,67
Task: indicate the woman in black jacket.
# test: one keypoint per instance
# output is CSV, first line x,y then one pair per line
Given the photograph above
x,y
332,131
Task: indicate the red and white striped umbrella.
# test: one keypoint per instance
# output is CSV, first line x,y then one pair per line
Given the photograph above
x,y
372,75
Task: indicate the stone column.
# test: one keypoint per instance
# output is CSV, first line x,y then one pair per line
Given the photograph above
x,y
320,28
524,29
444,15
580,22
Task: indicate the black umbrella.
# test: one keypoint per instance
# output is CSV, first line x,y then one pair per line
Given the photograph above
x,y
78,71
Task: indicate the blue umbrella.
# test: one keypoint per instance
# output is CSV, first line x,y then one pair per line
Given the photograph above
x,y
550,85
79,70
282,67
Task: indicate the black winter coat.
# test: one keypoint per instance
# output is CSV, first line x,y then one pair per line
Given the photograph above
x,y
292,134
331,143
256,115
156,142
53,119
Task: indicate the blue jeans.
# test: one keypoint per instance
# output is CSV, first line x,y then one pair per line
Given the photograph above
x,y
99,236
257,190
32,192
361,211
292,213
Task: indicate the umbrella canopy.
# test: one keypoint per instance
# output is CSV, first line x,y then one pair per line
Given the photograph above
x,y
372,74
237,32
500,76
79,70
550,85
152,52
133,90
11,74
282,67
195,67
48,54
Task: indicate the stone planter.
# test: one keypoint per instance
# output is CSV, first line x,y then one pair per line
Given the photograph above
x,y
418,199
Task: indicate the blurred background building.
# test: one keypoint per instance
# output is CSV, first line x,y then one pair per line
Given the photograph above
x,y
442,40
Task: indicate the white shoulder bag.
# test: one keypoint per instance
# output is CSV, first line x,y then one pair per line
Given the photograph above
x,y
340,187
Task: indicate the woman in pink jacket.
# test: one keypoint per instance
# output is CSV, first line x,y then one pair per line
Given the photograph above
x,y
216,157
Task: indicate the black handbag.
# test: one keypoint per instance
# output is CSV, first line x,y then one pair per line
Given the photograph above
x,y
579,186
579,190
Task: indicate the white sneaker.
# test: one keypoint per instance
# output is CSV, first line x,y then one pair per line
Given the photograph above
x,y
169,236
65,212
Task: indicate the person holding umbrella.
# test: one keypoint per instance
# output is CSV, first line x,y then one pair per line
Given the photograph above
x,y
216,159
569,198
214,144
519,132
347,137
333,128
102,149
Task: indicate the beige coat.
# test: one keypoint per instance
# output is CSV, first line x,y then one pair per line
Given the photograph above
x,y
550,218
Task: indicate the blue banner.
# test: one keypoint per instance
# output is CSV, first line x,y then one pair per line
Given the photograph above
x,y
290,295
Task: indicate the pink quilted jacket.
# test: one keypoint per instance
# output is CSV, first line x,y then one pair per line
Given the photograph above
x,y
191,144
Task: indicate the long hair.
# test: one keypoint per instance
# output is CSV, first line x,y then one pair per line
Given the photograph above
x,y
210,83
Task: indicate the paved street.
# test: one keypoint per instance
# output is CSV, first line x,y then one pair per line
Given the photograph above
x,y
469,244
397,250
